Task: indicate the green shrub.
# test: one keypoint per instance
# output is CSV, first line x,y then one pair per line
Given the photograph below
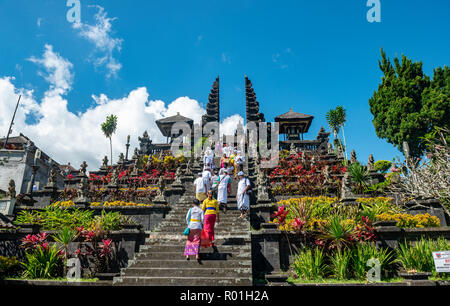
x,y
418,256
57,218
310,265
382,165
9,267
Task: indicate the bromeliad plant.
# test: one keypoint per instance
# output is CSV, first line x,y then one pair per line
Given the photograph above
x,y
42,260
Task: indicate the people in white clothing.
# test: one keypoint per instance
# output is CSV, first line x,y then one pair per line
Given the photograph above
x,y
223,189
206,175
200,188
242,199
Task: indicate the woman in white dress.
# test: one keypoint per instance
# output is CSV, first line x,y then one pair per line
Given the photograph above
x,y
242,199
223,188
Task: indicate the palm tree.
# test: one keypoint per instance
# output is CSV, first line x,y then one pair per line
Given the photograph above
x,y
109,128
336,119
342,118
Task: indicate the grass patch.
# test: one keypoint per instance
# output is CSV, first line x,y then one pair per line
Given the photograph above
x,y
337,281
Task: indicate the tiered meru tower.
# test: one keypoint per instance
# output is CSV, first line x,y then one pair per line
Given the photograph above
x,y
251,104
212,108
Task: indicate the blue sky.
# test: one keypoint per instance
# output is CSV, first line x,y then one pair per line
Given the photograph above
x,y
308,55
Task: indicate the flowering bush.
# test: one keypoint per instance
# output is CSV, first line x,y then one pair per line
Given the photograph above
x,y
298,174
407,220
119,203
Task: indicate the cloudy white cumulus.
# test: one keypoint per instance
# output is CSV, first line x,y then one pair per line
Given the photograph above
x,y
69,137
100,34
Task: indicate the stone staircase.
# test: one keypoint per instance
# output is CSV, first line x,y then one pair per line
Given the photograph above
x,y
160,261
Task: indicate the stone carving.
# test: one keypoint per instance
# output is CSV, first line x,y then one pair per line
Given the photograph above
x,y
145,144
330,148
114,177
346,189
11,189
292,149
136,154
370,163
83,168
82,191
353,157
121,158
160,192
105,162
52,179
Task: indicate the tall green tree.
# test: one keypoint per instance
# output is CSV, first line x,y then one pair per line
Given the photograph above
x,y
408,105
109,128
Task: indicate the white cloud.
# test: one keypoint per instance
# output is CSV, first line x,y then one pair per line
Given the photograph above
x,y
100,35
58,71
39,20
69,137
228,125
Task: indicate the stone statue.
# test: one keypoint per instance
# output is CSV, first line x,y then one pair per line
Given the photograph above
x,y
121,158
329,148
136,154
82,191
346,188
52,177
83,167
105,162
114,178
292,149
353,157
160,192
12,189
370,163
145,144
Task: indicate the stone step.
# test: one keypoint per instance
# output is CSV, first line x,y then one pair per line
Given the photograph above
x,y
183,281
180,248
181,240
223,224
183,263
217,230
204,256
217,235
188,272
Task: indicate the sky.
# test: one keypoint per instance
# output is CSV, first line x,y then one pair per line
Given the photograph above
x,y
144,60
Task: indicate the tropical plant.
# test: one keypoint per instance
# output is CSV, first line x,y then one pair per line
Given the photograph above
x,y
336,234
359,175
418,257
336,119
109,128
365,251
43,262
340,264
310,264
64,237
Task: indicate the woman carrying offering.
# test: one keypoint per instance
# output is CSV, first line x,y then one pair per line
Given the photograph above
x,y
194,218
